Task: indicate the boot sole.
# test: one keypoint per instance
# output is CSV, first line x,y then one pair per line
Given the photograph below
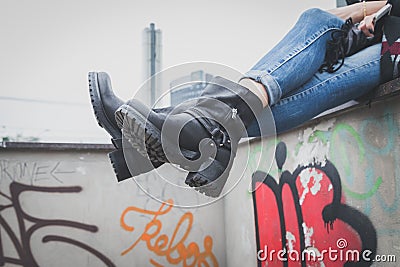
x,y
101,117
116,157
211,189
141,134
121,170
146,138
206,186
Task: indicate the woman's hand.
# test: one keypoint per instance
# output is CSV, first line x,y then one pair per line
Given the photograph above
x,y
367,25
356,11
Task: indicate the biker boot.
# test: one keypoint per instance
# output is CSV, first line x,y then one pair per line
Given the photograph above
x,y
105,103
213,126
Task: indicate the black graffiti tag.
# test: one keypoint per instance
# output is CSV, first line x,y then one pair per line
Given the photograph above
x,y
22,244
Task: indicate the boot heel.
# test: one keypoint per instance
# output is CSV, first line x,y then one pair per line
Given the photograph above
x,y
119,165
205,186
209,181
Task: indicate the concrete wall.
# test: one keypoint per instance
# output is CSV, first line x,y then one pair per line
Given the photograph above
x,y
65,208
338,188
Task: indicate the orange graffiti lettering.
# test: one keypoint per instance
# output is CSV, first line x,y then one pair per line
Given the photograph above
x,y
172,248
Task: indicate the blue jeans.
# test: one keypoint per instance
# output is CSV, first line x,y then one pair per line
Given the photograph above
x,y
289,72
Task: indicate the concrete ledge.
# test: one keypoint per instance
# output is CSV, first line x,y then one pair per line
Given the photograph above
x,y
55,146
388,89
382,92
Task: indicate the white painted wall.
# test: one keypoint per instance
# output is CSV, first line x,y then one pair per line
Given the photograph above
x,y
101,203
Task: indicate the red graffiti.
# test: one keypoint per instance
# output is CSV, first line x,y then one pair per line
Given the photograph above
x,y
303,221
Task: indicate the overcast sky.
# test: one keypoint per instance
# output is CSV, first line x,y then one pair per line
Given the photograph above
x,y
48,46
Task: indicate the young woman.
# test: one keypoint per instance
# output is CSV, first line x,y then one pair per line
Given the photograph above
x,y
287,80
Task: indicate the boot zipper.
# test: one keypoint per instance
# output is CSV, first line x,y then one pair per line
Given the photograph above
x,y
234,113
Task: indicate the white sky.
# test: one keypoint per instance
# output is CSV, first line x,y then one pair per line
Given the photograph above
x,y
48,46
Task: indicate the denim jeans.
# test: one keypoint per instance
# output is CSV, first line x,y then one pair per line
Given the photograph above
x,y
297,90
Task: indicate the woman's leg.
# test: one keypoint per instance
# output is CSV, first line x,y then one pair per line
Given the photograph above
x,y
296,58
359,74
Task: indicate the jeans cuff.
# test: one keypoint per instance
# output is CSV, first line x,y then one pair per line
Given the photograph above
x,y
271,86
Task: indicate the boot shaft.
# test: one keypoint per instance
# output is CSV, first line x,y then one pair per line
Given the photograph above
x,y
226,107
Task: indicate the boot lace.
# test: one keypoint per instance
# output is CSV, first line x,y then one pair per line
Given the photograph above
x,y
336,48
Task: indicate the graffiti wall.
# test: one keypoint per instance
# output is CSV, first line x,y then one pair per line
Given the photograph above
x,y
329,198
326,194
65,208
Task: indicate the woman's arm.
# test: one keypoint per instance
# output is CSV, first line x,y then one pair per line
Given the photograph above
x,y
356,11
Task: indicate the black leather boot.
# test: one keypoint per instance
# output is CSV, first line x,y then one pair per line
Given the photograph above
x,y
105,103
142,127
214,125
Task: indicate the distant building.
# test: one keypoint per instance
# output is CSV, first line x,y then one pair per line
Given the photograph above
x,y
188,87
340,3
152,63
